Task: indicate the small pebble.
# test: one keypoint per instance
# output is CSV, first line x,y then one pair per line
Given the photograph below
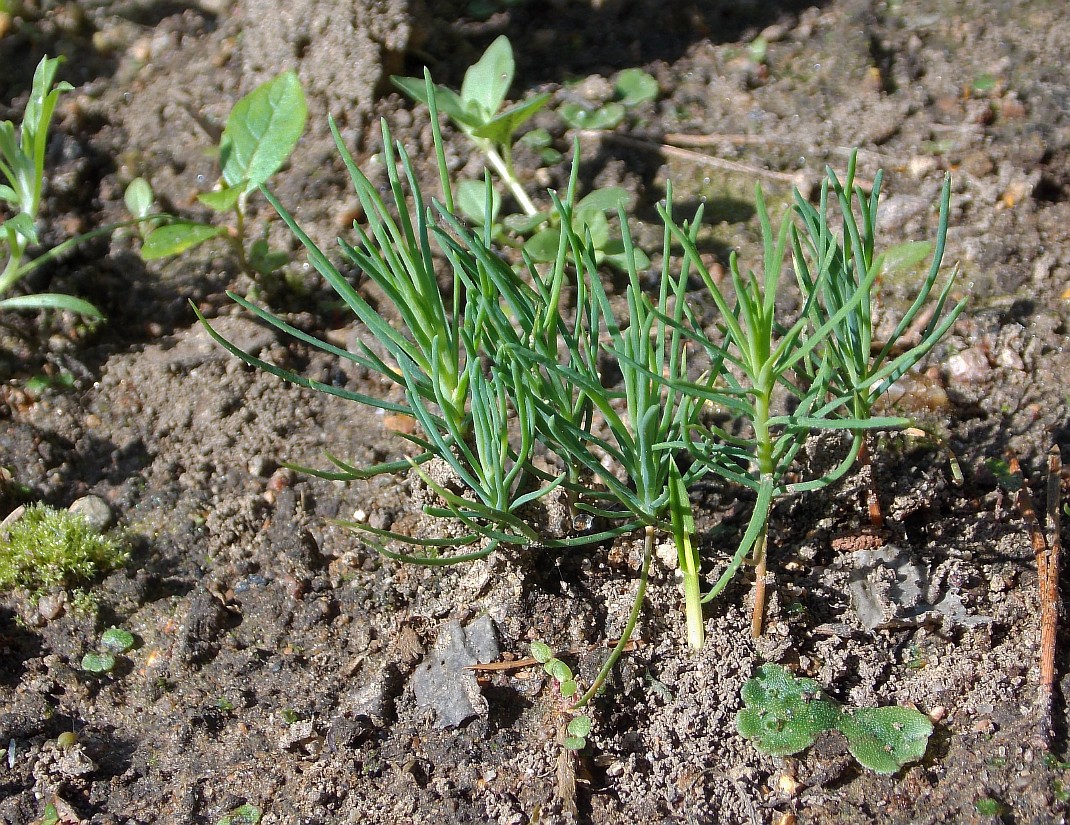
x,y
95,511
52,605
969,366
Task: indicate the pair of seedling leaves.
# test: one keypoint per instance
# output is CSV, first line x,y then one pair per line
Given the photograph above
x,y
477,112
261,133
785,714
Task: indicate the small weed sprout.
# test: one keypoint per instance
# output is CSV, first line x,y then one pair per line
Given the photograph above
x,y
785,714
498,364
22,178
261,133
477,111
579,725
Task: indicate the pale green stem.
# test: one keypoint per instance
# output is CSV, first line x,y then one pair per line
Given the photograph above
x,y
696,627
633,617
507,176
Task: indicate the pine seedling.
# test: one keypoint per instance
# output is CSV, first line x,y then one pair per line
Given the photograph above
x,y
861,369
22,167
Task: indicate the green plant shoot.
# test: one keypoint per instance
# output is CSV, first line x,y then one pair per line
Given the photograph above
x,y
477,111
261,133
22,166
784,714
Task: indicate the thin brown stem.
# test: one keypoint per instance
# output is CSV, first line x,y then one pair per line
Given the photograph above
x,y
1046,549
757,618
873,502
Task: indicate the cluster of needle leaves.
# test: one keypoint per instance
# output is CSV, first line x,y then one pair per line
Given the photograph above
x,y
525,382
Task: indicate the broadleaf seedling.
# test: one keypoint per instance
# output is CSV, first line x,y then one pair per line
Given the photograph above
x,y
632,87
477,111
784,714
579,726
261,133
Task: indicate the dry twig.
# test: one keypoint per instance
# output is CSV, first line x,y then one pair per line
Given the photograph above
x,y
1046,548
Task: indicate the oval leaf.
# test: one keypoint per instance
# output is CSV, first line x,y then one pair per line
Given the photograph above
x,y
138,197
885,739
488,79
472,201
262,131
542,247
176,238
541,652
116,640
634,86
98,662
580,726
604,117
52,301
221,199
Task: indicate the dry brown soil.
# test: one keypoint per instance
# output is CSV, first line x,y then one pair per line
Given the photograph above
x,y
277,656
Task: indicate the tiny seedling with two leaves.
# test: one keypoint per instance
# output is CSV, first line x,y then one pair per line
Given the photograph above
x,y
261,133
579,725
477,111
784,714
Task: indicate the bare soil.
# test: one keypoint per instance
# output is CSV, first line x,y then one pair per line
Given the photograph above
x,y
279,660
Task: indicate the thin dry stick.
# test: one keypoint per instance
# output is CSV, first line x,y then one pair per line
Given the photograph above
x,y
695,157
519,664
873,502
1047,556
1048,573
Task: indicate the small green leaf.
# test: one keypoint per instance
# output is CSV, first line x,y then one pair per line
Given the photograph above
x,y
98,662
905,256
542,247
784,714
262,131
558,670
116,640
569,688
541,652
50,816
500,129
263,260
602,200
138,197
176,238
246,814
222,199
604,117
580,726
50,300
21,224
537,139
525,224
617,257
885,739
487,80
447,101
575,743
634,86
471,200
